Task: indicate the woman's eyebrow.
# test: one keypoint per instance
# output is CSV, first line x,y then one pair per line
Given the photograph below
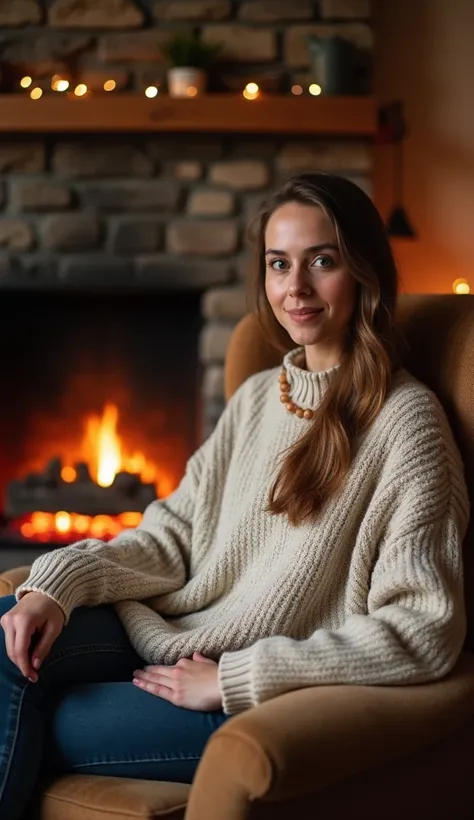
x,y
313,249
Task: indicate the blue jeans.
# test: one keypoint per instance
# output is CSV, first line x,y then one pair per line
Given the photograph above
x,y
85,715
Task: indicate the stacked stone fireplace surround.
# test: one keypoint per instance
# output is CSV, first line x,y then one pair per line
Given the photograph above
x,y
161,212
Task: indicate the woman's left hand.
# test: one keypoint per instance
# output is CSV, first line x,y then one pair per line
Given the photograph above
x,y
191,684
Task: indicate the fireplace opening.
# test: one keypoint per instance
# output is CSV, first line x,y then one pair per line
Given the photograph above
x,y
99,410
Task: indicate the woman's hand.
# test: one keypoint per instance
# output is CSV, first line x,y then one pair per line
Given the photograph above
x,y
34,614
191,684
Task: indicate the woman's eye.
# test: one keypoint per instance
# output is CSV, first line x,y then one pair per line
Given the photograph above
x,y
278,264
323,261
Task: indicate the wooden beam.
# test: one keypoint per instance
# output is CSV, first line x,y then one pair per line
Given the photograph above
x,y
217,113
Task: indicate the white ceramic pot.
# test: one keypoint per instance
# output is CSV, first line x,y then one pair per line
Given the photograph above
x,y
186,82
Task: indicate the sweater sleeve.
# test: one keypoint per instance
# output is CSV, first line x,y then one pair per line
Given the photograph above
x,y
152,559
415,624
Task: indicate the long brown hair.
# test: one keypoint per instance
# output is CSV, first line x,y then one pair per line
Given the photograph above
x,y
315,467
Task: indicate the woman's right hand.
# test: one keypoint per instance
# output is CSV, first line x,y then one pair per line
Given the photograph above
x,y
34,614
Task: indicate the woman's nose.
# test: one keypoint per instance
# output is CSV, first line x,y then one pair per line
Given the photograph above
x,y
299,282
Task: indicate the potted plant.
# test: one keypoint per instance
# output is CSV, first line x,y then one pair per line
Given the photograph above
x,y
189,59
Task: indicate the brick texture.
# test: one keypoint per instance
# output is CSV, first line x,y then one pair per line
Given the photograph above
x,y
296,40
141,46
242,43
345,9
225,303
22,156
242,175
16,235
70,232
94,14
103,159
276,11
95,270
211,203
335,157
191,10
188,170
214,342
19,12
39,194
137,236
213,382
203,237
175,273
130,195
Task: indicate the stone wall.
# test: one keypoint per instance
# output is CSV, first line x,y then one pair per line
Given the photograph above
x,y
161,212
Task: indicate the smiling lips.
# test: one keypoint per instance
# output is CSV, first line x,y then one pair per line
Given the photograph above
x,y
304,314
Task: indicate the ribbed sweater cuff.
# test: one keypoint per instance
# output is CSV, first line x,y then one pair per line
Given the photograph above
x,y
53,583
235,680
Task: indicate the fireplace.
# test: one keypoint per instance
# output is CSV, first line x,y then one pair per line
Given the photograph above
x,y
99,412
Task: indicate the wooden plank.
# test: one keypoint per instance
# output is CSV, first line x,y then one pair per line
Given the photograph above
x,y
218,113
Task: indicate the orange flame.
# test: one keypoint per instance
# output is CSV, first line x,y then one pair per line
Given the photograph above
x,y
105,454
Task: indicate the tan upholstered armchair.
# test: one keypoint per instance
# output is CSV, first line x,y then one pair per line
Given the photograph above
x,y
330,752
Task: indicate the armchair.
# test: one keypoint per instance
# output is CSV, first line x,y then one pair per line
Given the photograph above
x,y
330,752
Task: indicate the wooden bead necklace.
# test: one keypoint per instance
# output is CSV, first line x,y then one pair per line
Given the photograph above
x,y
285,398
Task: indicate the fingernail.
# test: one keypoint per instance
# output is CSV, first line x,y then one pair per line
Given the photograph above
x,y
137,682
137,672
32,680
36,663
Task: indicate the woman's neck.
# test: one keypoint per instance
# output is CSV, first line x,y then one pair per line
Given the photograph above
x,y
318,358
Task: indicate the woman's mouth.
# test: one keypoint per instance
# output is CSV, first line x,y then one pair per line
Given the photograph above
x,y
304,315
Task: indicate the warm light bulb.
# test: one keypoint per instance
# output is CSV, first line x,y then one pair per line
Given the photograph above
x,y
80,90
36,93
461,287
25,82
110,85
151,91
315,89
191,91
252,88
58,84
297,89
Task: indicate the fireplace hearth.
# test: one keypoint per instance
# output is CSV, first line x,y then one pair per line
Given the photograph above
x,y
100,409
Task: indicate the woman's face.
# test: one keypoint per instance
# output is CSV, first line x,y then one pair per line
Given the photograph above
x,y
309,287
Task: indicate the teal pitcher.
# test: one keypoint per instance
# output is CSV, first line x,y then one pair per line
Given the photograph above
x,y
333,64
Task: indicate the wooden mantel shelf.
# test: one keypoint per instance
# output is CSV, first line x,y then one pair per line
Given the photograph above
x,y
218,113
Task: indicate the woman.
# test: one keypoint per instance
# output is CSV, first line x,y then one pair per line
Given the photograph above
x,y
315,538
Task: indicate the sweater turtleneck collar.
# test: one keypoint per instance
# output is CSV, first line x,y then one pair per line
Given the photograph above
x,y
307,387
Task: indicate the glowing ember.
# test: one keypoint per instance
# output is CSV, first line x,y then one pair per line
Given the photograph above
x,y
66,527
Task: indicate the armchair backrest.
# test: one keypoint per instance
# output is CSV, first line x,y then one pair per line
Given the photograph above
x,y
439,334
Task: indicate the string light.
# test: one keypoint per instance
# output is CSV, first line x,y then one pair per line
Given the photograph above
x,y
110,85
59,84
461,287
36,93
151,91
80,90
297,90
315,89
251,91
25,82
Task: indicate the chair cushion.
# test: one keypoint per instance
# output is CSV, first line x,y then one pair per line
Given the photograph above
x,y
88,797
12,578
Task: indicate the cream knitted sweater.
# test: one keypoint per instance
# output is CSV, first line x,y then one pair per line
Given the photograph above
x,y
370,593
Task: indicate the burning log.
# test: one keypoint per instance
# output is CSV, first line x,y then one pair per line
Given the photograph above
x,y
48,492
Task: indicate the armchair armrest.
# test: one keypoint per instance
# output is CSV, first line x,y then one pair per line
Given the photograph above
x,y
305,740
12,578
